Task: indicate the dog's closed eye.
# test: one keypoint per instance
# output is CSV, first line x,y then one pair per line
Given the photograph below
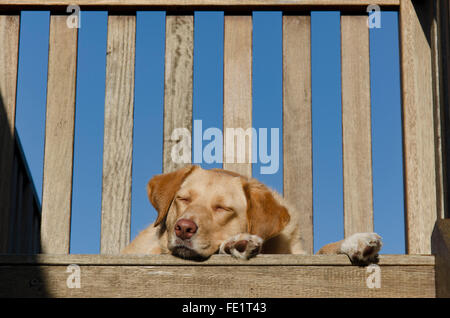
x,y
183,199
220,208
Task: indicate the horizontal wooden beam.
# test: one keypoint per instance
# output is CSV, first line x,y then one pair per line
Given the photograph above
x,y
168,260
220,276
190,5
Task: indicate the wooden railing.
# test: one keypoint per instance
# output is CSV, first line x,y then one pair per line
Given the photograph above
x,y
424,76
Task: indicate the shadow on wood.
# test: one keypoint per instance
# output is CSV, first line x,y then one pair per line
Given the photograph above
x,y
220,276
440,244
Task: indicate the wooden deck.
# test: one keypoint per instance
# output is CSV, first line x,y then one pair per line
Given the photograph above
x,y
47,275
424,70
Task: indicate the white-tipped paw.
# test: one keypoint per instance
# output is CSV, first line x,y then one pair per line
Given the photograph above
x,y
243,246
362,248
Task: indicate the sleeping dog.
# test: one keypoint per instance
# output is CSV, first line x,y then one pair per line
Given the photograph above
x,y
203,212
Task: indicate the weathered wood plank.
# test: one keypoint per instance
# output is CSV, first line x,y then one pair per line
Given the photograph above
x,y
198,280
418,129
59,133
165,259
440,246
356,125
178,85
9,37
237,94
297,129
118,134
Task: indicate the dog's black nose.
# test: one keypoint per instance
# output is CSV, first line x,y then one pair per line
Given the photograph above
x,y
185,228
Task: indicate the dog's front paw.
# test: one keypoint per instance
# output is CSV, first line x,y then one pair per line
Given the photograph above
x,y
243,246
362,248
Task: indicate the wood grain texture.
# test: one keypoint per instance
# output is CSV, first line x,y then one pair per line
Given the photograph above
x,y
356,125
440,247
214,260
118,134
242,279
237,94
59,134
178,85
418,129
297,129
9,37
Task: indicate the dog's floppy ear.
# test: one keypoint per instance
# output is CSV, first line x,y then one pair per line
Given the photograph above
x,y
266,217
162,188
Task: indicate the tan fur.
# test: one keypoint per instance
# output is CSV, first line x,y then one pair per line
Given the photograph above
x,y
223,204
332,248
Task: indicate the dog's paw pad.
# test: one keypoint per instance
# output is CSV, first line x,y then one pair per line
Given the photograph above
x,y
243,246
362,248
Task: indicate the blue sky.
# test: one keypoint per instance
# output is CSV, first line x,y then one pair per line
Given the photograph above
x,y
208,100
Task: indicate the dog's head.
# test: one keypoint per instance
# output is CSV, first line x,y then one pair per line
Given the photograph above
x,y
200,209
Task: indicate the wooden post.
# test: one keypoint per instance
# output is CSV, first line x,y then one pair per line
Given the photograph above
x,y
418,126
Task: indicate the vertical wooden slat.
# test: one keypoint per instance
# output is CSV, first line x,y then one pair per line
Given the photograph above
x,y
179,58
438,101
297,130
59,133
9,39
418,129
356,126
237,95
118,134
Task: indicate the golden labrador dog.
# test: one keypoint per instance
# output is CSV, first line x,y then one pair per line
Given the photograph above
x,y
203,212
